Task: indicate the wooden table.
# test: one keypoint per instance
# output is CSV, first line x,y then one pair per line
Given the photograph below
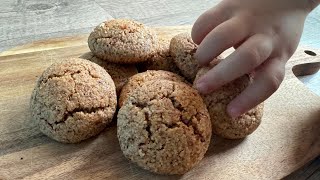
x,y
24,21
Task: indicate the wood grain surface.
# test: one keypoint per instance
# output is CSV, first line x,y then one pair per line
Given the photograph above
x,y
287,139
25,21
160,13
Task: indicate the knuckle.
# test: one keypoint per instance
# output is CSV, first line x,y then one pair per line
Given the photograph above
x,y
289,51
253,57
275,79
287,48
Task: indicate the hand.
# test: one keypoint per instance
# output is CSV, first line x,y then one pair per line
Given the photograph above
x,y
265,34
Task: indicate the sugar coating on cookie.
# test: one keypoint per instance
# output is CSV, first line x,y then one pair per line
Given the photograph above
x,y
162,60
164,127
123,41
217,102
140,78
182,48
119,73
73,100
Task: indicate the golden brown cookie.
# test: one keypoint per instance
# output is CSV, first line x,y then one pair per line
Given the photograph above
x,y
164,127
162,60
73,100
119,73
140,78
217,101
182,49
123,41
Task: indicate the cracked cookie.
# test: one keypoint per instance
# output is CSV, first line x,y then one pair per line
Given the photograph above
x,y
140,78
182,49
217,101
162,60
119,73
73,100
123,41
164,127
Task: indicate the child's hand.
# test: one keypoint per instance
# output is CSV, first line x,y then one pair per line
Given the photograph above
x,y
265,34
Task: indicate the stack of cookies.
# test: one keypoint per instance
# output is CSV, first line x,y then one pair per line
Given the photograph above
x,y
163,124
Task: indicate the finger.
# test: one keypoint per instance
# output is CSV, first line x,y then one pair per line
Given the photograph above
x,y
238,44
267,80
242,61
219,39
208,21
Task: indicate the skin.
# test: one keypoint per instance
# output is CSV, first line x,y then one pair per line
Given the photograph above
x,y
264,33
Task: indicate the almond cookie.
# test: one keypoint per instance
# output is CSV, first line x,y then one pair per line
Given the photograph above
x,y
123,41
164,127
73,100
217,101
182,48
119,73
162,60
139,79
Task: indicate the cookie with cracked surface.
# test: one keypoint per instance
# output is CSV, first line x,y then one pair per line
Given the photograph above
x,y
119,73
217,101
141,78
73,100
162,60
123,41
164,127
182,49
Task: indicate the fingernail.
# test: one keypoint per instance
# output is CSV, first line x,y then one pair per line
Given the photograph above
x,y
201,86
233,112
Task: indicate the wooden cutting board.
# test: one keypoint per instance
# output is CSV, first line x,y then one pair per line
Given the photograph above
x,y
288,137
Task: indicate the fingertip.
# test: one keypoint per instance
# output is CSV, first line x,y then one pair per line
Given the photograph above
x,y
207,21
195,34
202,87
234,111
200,58
198,31
206,84
239,106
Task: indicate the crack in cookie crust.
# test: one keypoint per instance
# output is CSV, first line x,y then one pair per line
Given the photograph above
x,y
164,127
141,78
73,100
123,41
